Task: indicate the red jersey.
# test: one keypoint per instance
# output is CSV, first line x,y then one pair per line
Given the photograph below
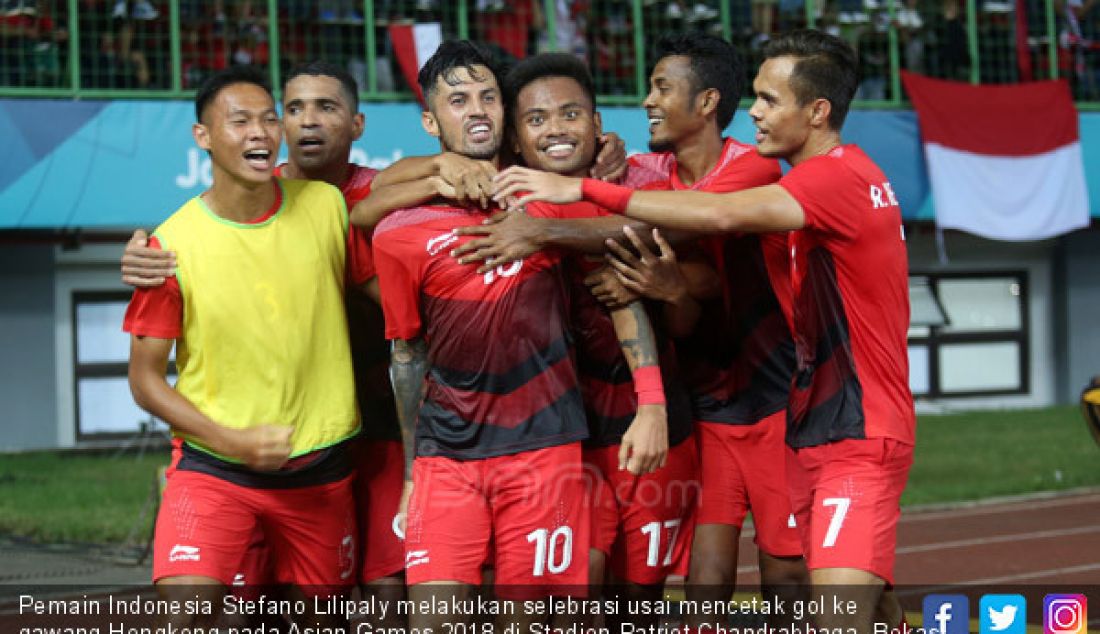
x,y
607,383
740,358
370,352
501,378
849,273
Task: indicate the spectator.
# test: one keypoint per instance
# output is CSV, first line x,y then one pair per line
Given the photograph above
x,y
29,45
509,25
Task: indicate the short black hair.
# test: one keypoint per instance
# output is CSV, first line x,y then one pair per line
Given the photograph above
x,y
449,57
221,79
826,68
715,63
319,68
545,65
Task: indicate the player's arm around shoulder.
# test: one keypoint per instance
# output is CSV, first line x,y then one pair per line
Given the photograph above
x,y
262,447
756,210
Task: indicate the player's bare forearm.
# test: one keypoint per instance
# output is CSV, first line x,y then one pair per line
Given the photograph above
x,y
408,169
756,210
644,446
408,368
681,315
383,201
635,335
262,447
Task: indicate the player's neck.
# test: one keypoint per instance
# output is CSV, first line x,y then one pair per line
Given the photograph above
x,y
818,143
697,156
335,174
240,202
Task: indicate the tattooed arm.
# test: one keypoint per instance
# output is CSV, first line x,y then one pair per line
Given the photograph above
x,y
644,446
408,366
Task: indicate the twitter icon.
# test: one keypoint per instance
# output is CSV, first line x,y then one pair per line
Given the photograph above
x,y
1003,614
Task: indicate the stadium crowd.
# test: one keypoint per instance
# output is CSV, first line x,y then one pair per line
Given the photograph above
x,y
125,44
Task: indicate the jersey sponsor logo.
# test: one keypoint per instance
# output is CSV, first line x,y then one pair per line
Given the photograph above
x,y
416,557
180,552
438,243
883,196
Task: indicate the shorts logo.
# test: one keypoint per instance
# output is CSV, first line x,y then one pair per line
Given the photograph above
x,y
438,243
416,557
347,556
180,552
238,579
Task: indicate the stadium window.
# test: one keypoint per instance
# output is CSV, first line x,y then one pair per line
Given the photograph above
x,y
104,407
968,334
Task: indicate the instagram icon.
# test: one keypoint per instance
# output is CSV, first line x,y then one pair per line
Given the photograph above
x,y
1065,614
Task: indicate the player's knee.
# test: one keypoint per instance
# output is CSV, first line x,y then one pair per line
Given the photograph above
x,y
783,571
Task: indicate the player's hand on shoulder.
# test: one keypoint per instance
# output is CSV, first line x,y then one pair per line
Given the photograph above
x,y
610,165
144,266
504,238
644,447
544,186
608,290
263,447
653,275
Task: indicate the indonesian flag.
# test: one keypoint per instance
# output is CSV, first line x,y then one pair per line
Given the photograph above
x,y
413,44
1004,160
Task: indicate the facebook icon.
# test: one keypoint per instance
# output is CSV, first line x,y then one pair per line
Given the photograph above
x,y
946,614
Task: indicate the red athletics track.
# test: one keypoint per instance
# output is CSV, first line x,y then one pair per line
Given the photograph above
x,y
1041,540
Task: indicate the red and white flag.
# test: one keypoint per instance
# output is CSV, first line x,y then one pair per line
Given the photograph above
x,y
1004,160
413,44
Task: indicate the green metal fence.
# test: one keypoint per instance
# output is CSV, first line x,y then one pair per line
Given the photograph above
x,y
163,49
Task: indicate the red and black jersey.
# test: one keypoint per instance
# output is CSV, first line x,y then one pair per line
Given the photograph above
x,y
501,378
739,360
370,352
849,275
606,380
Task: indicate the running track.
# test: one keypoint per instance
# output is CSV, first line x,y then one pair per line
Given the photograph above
x,y
1039,541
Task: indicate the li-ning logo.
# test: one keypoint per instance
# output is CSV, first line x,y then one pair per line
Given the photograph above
x,y
183,553
438,243
416,557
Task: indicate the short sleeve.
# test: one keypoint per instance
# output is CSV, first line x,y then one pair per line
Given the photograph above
x,y
157,311
399,281
360,262
818,185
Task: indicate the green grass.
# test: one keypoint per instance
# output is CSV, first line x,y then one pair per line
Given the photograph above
x,y
977,455
52,497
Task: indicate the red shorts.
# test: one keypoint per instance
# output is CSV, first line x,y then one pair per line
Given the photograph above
x,y
379,480
527,509
206,524
743,469
643,524
846,498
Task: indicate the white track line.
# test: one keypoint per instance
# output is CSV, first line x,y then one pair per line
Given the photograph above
x,y
980,541
997,539
1000,508
987,581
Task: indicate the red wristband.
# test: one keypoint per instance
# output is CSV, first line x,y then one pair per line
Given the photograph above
x,y
648,385
610,196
